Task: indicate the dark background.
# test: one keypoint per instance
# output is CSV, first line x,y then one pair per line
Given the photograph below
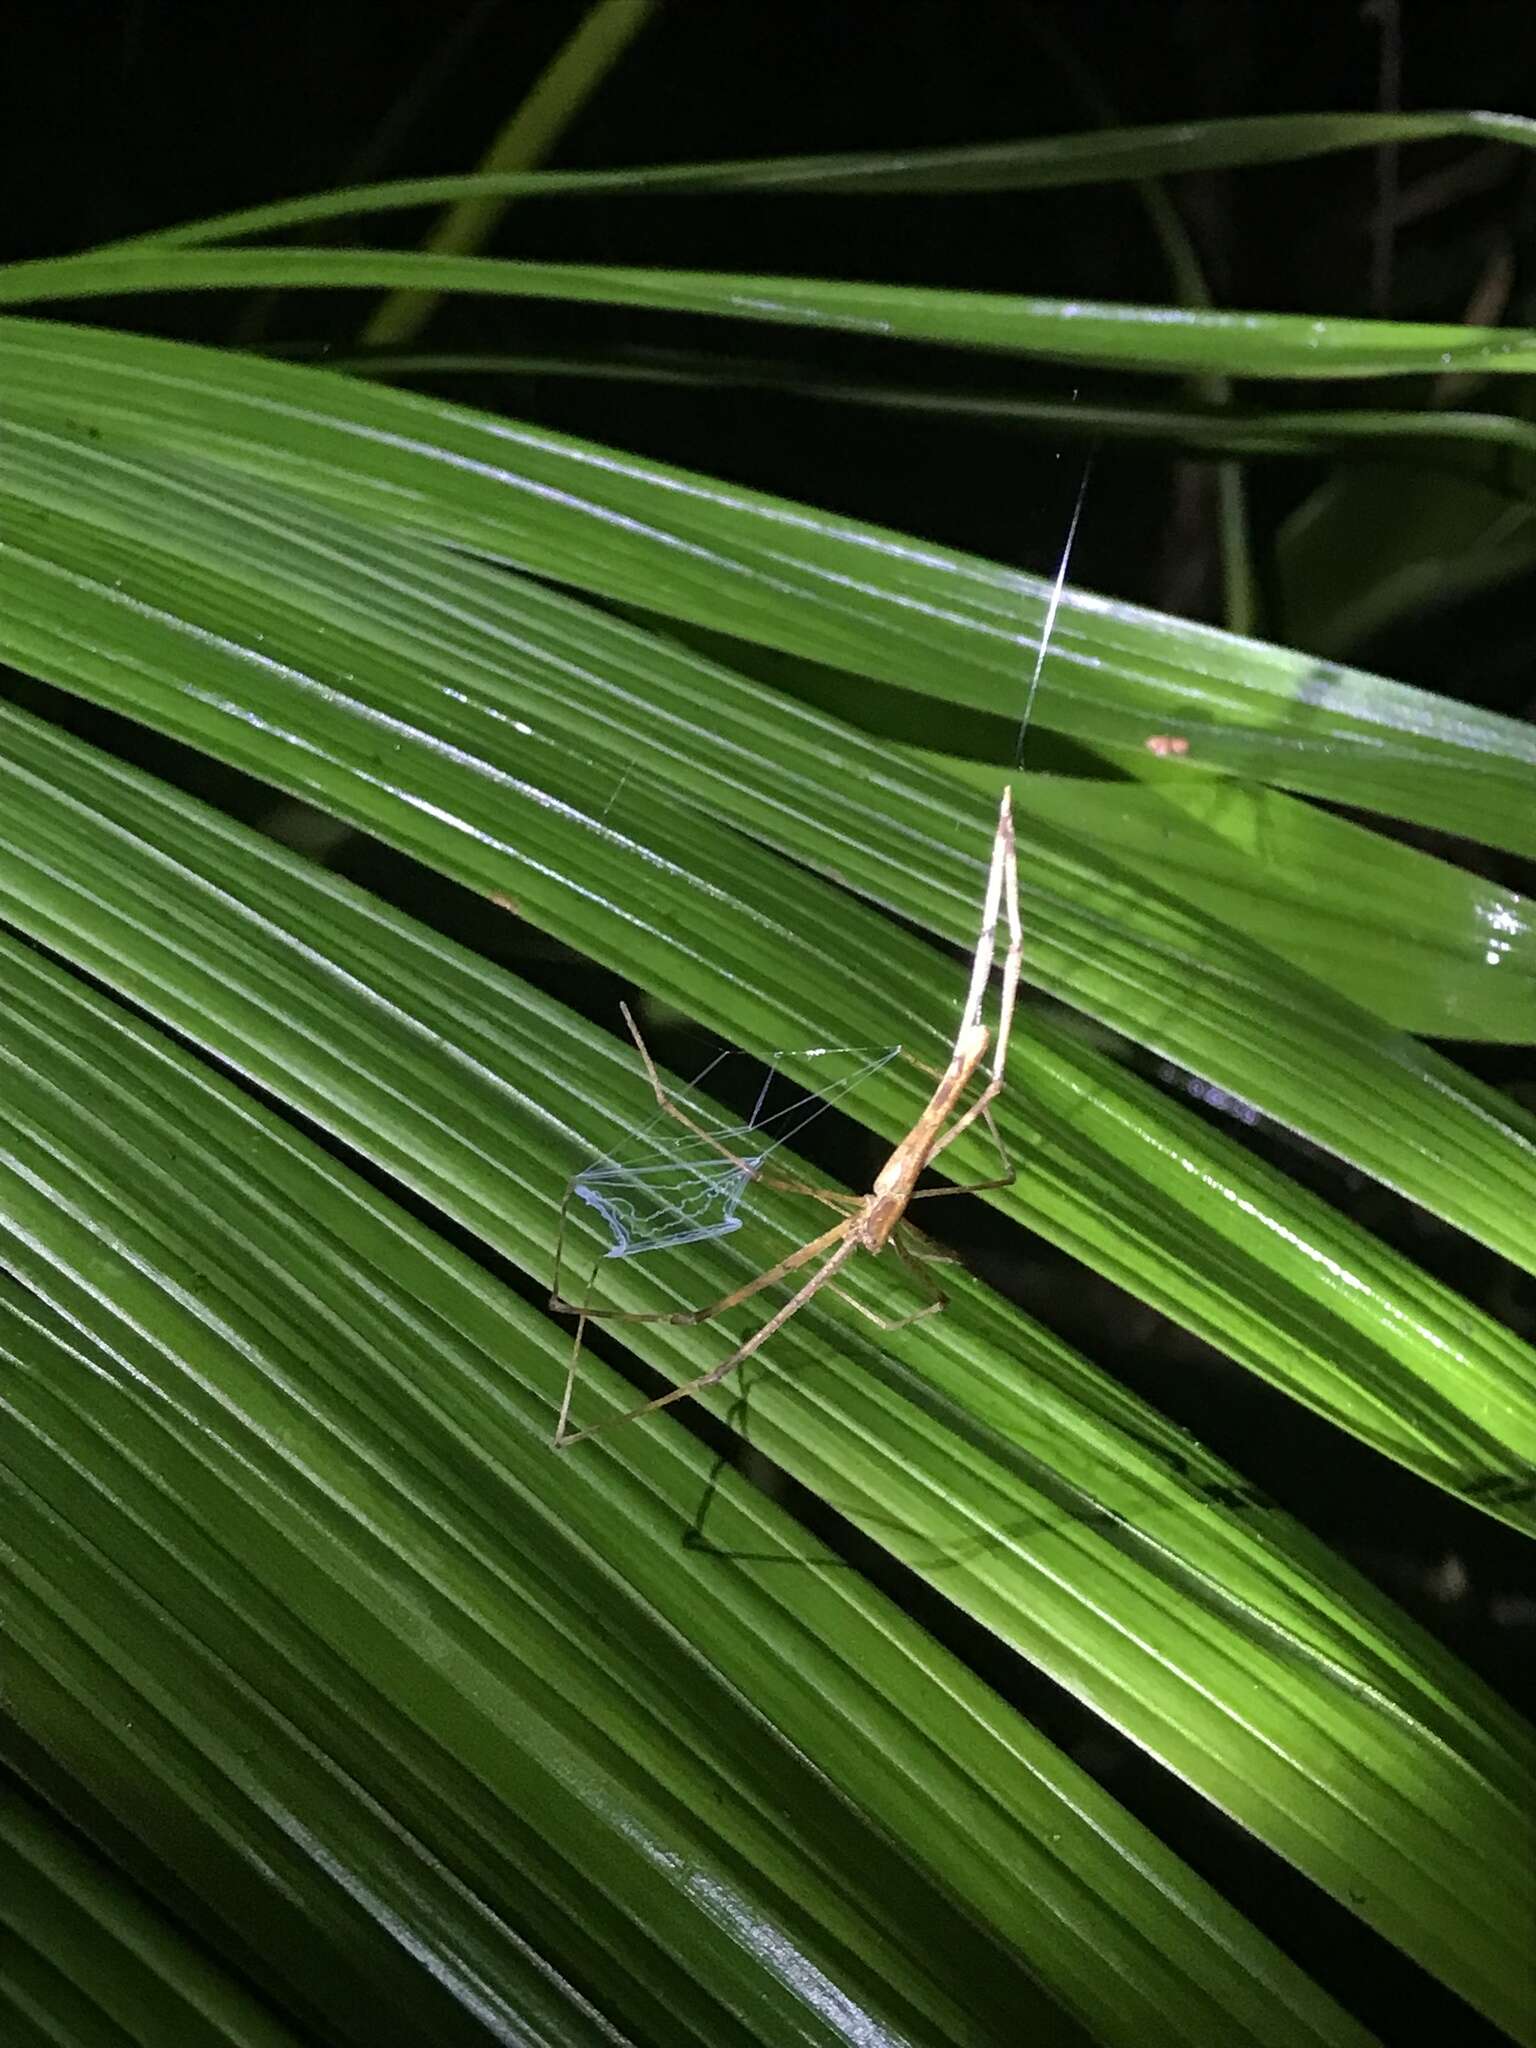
x,y
121,118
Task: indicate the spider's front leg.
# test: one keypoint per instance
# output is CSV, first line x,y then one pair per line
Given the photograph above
x,y
832,1198
1002,900
843,1245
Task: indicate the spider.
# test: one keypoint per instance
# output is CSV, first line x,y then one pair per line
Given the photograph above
x,y
869,1222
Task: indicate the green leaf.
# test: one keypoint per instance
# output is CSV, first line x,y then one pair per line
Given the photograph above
x,y
1336,900
89,1959
488,727
1059,1512
1037,163
1492,448
861,598
1186,340
575,72
450,1731
1381,542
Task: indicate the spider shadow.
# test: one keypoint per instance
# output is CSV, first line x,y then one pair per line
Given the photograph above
x,y
848,1537
833,1529
849,1534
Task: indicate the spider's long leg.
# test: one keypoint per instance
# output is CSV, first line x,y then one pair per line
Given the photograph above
x,y
841,1254
917,1266
576,1343
1005,1179
726,1303
1013,960
669,1106
871,1315
585,1312
991,910
565,1211
1002,894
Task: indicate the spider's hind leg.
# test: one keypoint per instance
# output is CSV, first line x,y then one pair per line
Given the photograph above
x,y
916,1263
557,1300
581,1313
1005,1179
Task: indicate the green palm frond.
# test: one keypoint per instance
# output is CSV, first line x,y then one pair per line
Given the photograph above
x,y
310,1636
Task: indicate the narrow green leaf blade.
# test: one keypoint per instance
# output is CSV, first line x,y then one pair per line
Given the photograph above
x,y
86,1953
287,1539
857,597
1153,339
1338,901
1037,163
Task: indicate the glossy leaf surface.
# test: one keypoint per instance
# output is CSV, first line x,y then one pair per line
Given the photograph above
x,y
1344,904
689,828
857,597
1155,339
270,1436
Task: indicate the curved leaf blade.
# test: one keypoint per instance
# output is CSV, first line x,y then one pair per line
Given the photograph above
x,y
896,1435
863,599
1148,339
269,1556
1038,163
